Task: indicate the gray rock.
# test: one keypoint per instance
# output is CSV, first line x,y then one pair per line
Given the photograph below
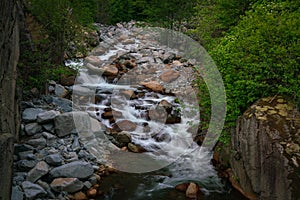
x,y
66,184
16,193
48,136
26,165
47,188
87,185
123,138
30,114
38,143
60,90
72,122
77,169
76,145
47,116
51,89
54,159
33,128
83,154
62,104
19,177
49,127
259,158
38,171
71,156
21,148
25,155
33,191
93,179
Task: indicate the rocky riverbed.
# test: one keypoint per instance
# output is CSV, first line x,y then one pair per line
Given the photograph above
x,y
133,96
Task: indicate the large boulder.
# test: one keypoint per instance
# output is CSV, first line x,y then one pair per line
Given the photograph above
x,y
77,169
72,122
266,150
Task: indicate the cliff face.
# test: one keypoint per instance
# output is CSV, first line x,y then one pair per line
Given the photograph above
x,y
9,52
266,151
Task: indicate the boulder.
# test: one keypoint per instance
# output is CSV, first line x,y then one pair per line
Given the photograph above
x,y
192,191
182,187
77,169
94,60
61,104
26,165
38,171
124,125
33,191
60,91
38,143
30,114
16,193
66,184
123,138
135,148
33,128
154,86
47,116
54,159
72,122
266,150
169,76
67,80
110,70
80,196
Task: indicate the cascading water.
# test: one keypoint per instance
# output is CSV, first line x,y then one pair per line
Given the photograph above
x,y
163,123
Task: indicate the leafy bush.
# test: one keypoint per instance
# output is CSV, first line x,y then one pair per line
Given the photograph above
x,y
260,56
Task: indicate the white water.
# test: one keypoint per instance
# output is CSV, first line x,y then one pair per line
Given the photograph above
x,y
182,157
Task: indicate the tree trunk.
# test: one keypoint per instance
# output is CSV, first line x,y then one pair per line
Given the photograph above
x,y
9,53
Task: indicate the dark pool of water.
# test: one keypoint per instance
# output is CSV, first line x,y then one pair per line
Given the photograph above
x,y
124,186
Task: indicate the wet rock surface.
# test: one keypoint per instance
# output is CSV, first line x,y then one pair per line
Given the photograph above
x,y
66,145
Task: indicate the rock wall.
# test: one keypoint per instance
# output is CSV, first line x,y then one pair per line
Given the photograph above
x,y
9,53
266,152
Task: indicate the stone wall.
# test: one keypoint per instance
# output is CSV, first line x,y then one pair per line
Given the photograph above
x,y
266,152
9,52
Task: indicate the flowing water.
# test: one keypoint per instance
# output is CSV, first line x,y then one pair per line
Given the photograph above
x,y
171,156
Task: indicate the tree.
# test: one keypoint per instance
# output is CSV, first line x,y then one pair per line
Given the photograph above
x,y
260,56
60,20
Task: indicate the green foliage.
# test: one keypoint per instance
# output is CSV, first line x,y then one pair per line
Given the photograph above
x,y
260,57
257,51
167,13
35,69
214,18
61,20
164,13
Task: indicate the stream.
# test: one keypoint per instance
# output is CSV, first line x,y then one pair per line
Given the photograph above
x,y
142,94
